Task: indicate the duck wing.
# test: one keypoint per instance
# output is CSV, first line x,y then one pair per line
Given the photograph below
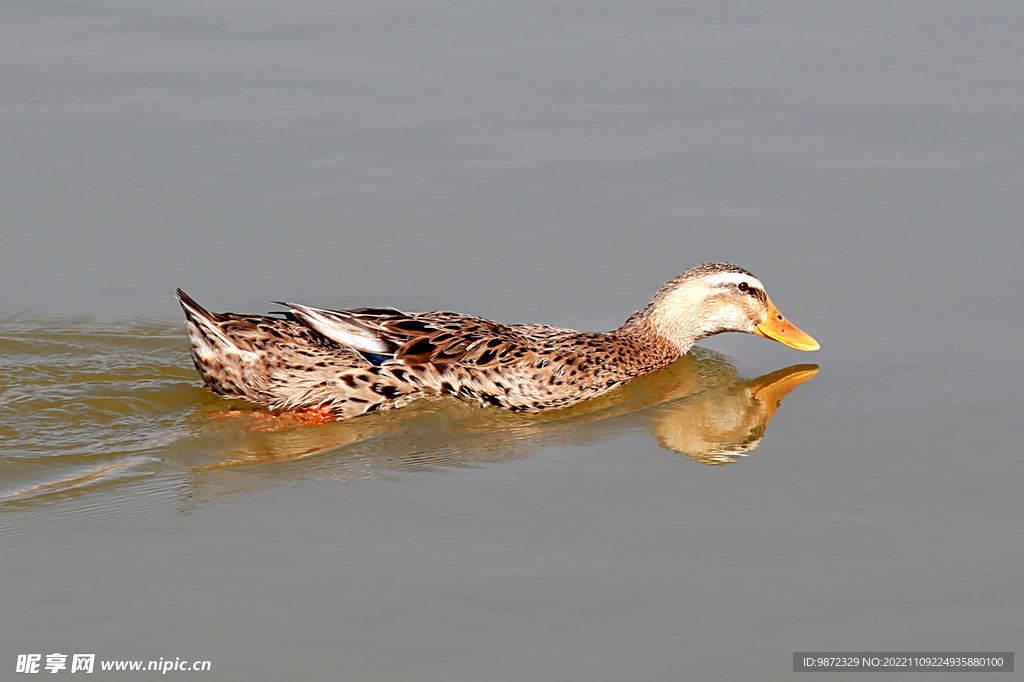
x,y
437,339
363,329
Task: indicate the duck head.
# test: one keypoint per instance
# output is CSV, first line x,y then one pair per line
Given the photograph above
x,y
713,298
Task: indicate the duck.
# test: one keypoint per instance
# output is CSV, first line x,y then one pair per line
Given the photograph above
x,y
338,364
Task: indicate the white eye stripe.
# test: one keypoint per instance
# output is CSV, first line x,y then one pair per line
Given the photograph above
x,y
733,279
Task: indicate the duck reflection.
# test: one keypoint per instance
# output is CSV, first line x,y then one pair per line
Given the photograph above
x,y
721,426
697,407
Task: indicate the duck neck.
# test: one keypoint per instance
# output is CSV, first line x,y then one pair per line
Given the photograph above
x,y
654,330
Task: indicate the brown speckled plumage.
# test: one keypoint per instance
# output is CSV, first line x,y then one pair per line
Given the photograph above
x,y
356,361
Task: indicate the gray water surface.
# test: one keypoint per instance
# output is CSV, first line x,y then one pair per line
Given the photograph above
x,y
530,162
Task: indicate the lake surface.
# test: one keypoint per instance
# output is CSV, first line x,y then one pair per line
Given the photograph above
x,y
529,162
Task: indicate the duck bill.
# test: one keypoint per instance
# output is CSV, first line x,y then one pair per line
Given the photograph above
x,y
777,327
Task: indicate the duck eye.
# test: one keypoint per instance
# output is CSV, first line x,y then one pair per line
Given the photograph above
x,y
744,286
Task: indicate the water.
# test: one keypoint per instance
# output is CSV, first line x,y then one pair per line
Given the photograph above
x,y
531,163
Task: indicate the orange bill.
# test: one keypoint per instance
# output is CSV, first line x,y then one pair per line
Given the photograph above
x,y
782,330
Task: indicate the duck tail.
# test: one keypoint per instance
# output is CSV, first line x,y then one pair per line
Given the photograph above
x,y
220,355
204,326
